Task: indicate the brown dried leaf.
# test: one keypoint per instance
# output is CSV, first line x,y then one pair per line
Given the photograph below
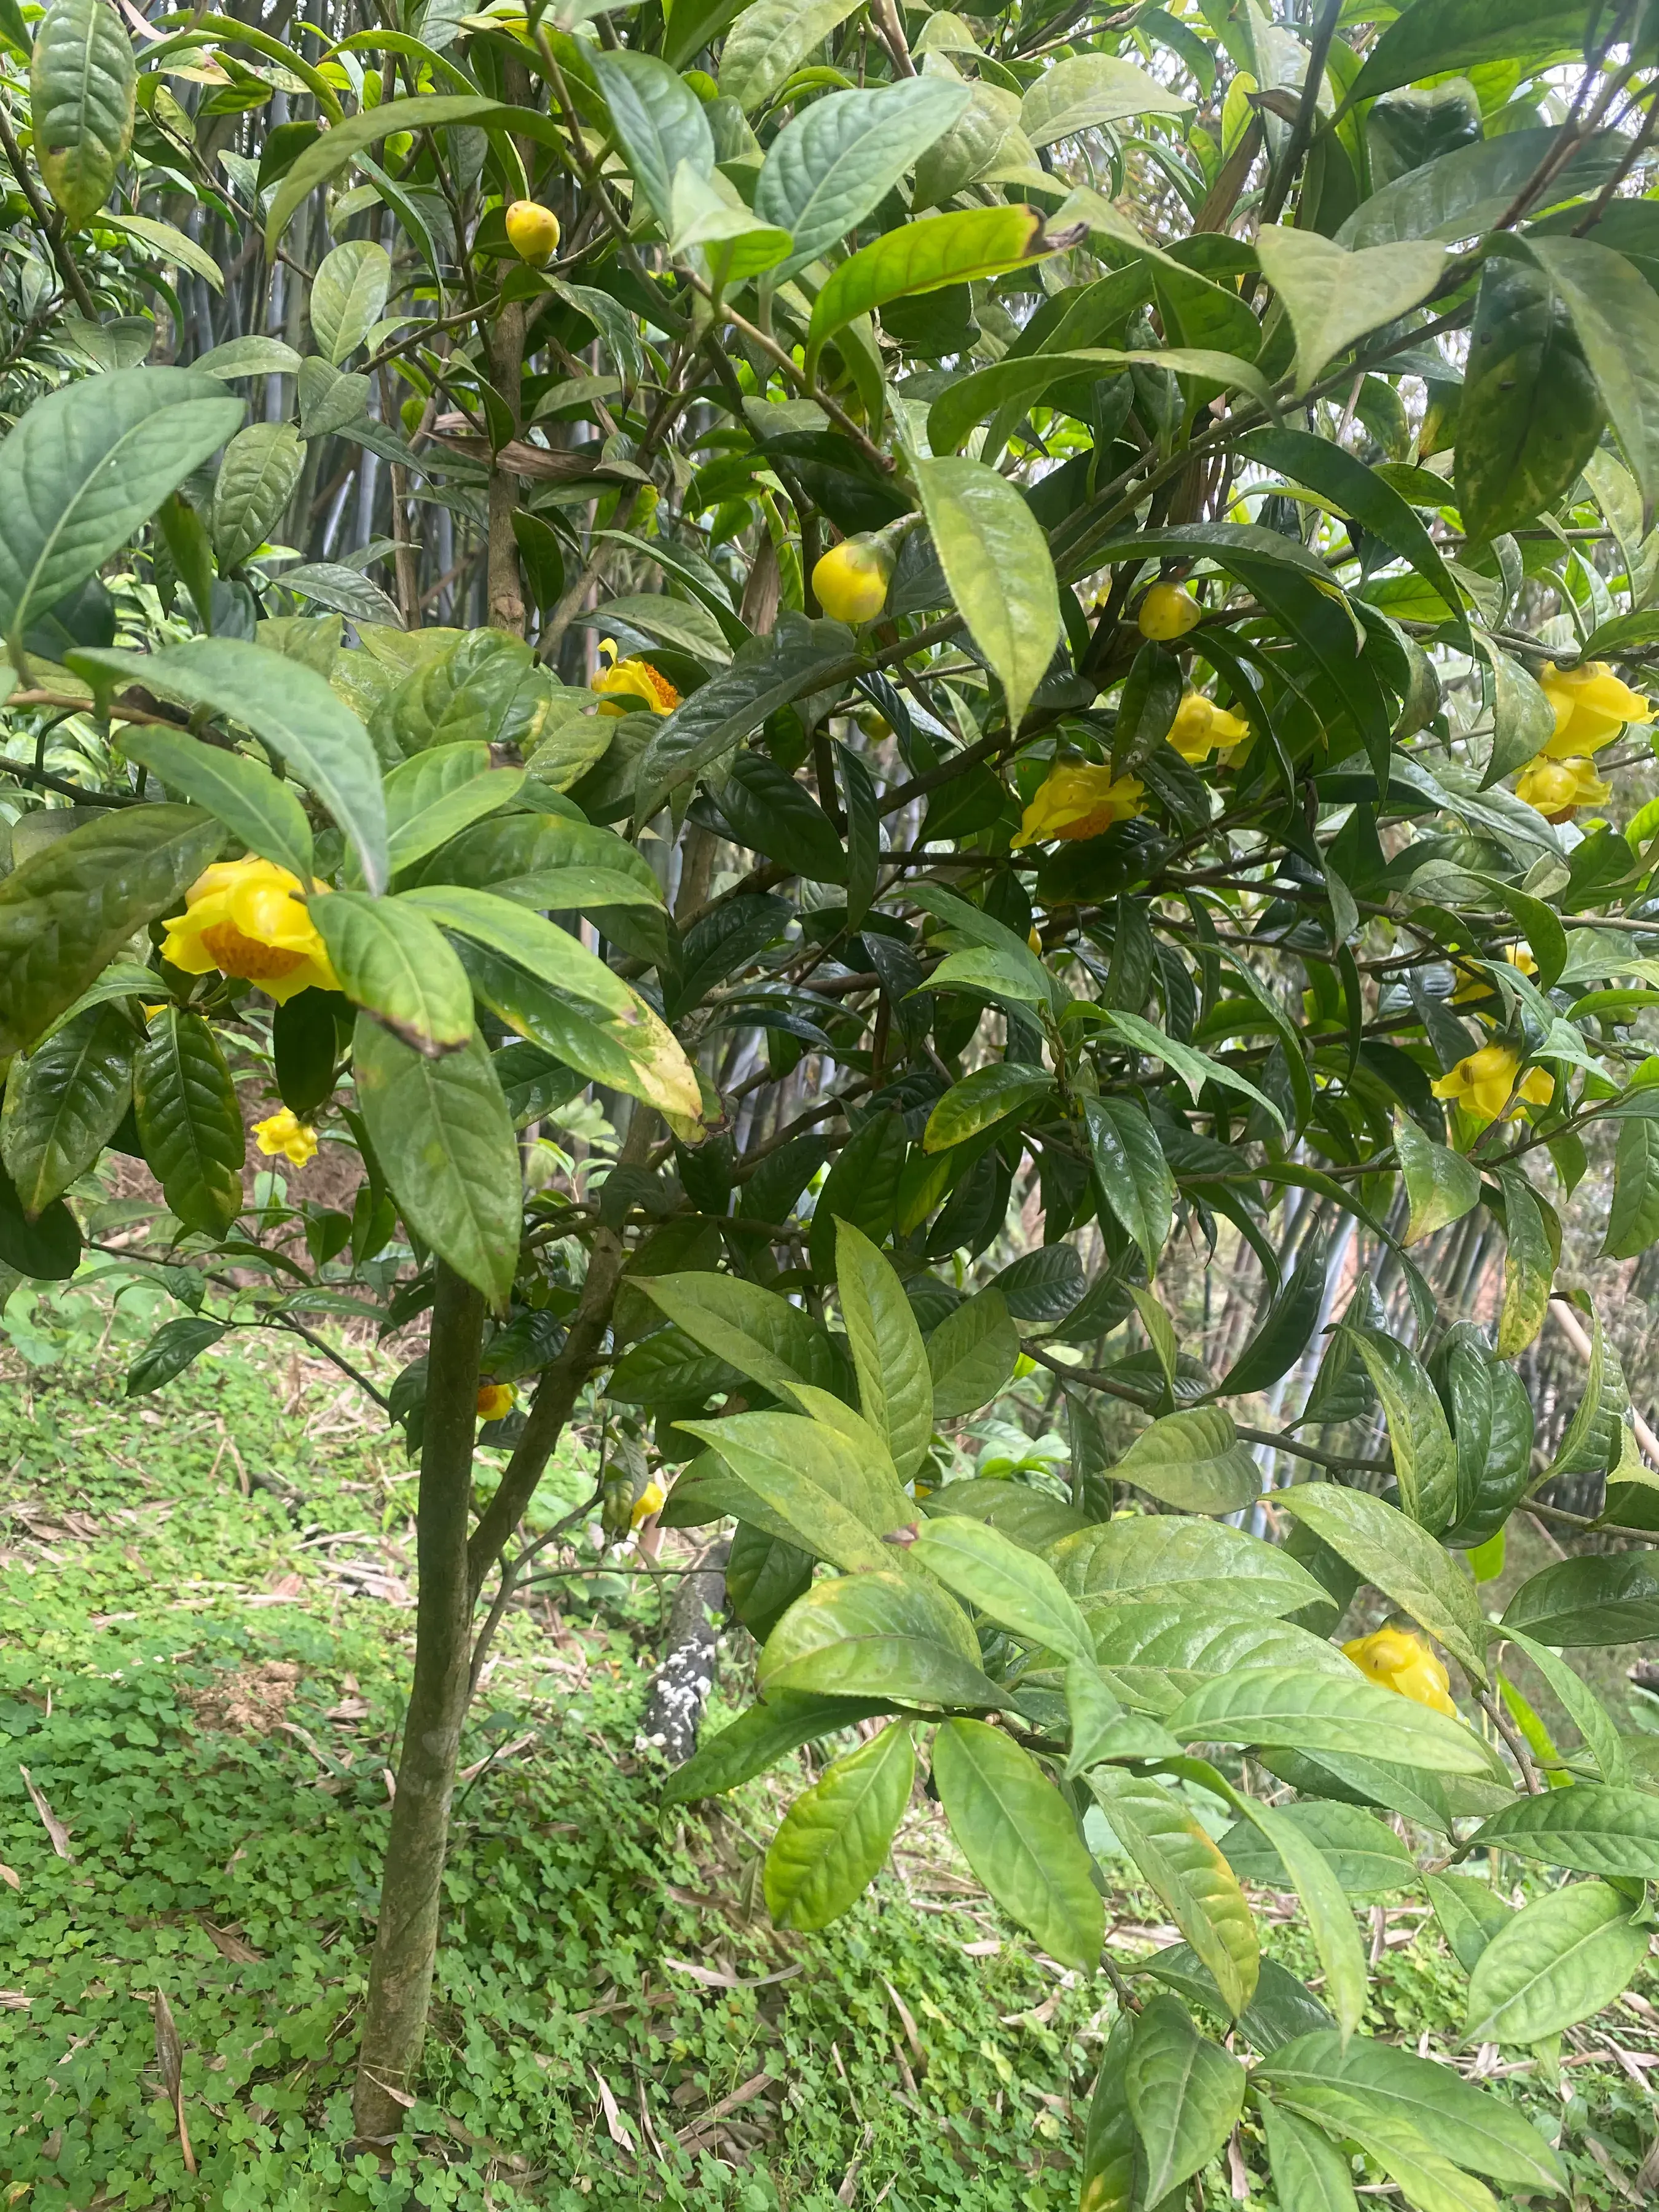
x,y
48,1821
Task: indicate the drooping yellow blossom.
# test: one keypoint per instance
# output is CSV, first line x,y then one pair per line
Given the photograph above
x,y
1591,706
1558,788
532,231
1401,1662
626,686
1475,985
286,1135
1169,611
1078,800
496,1401
248,918
649,1501
1483,1083
1200,728
850,580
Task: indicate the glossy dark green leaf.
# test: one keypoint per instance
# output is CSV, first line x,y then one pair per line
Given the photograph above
x,y
1193,1460
772,813
1633,1222
1403,1562
764,1575
1441,1186
1557,1962
1425,1457
971,1354
1531,414
190,1121
65,1103
1458,34
1021,1839
246,796
256,479
837,159
1131,1173
1529,1265
980,1100
1316,1711
1470,1913
47,1249
1612,1599
861,1188
1286,1327
399,967
172,1348
758,1739
1166,1556
990,546
83,88
1310,2173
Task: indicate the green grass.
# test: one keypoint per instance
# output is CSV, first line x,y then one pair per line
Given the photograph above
x,y
131,1594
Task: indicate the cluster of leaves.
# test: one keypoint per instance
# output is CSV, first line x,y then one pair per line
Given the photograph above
x,y
951,889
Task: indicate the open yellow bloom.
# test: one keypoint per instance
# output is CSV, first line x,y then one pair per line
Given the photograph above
x,y
636,684
649,1501
248,918
1558,788
1591,706
1200,728
495,1400
285,1135
1400,1662
1169,611
1483,1083
1078,800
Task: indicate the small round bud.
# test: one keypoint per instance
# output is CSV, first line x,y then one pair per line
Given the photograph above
x,y
532,231
1169,611
851,580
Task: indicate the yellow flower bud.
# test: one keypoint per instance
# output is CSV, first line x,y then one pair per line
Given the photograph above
x,y
532,231
495,1400
1402,1663
851,580
1169,611
285,1135
649,1501
1558,787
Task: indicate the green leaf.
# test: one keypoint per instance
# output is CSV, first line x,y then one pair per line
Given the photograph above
x,y
1182,1865
246,796
1156,1654
1330,1918
921,256
1013,383
1155,1557
1313,1711
71,906
1367,1858
812,1486
837,159
1592,1442
1334,298
896,1389
169,245
255,356
349,296
1020,1836
1194,1068
1286,1327
1019,1591
1402,1559
83,92
985,1096
341,145
769,811
754,1330
1612,1599
768,42
659,120
1557,1962
1469,190
834,1838
1425,1456
1583,1707
394,964
1486,2134
1523,720
65,1103
88,465
1470,1912
1131,1173
289,708
1530,414
1083,91
538,860
995,560
174,1346
861,1188
437,794
446,1141
256,480
47,1249
880,1634
190,1120
1110,2147
1459,34
1529,1265
1590,1828
758,1738
1633,1222
971,1354
1095,1717
1310,2173
1186,2094
1615,315
1441,1186
1194,1461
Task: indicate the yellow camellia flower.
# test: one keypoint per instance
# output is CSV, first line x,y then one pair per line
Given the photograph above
x,y
1169,611
285,1135
626,686
1200,728
248,918
1591,706
1077,801
532,231
1558,787
1474,985
1401,1662
1483,1083
496,1401
851,580
649,1501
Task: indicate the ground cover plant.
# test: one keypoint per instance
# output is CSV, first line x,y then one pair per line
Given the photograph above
x,y
1082,707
